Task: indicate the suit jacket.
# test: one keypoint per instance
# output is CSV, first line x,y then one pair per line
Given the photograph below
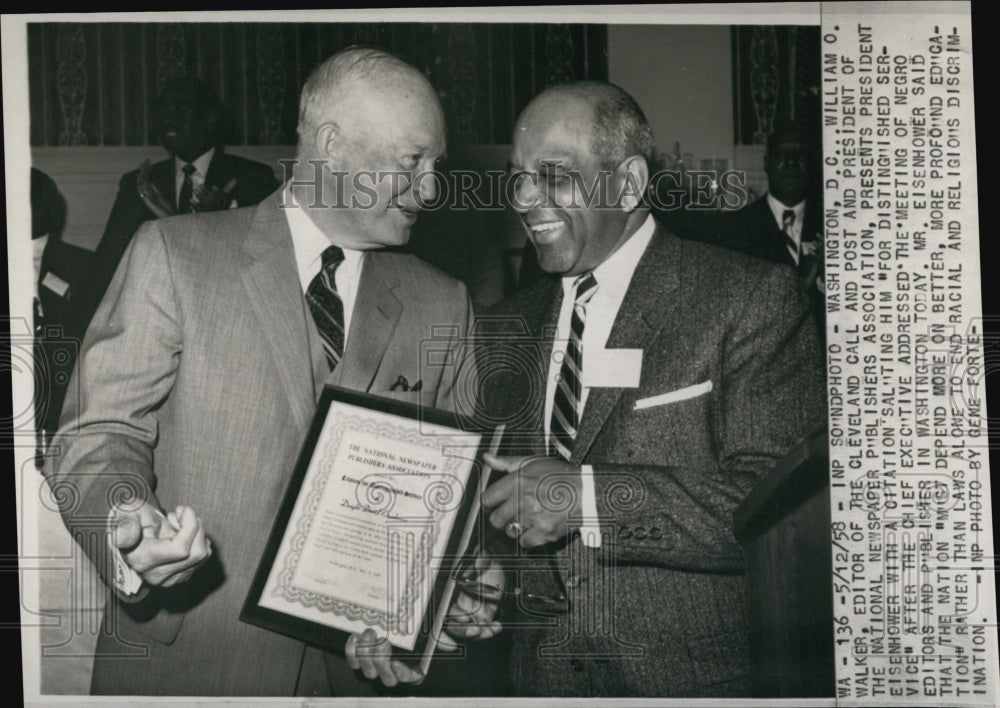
x,y
254,181
58,328
197,382
753,230
660,608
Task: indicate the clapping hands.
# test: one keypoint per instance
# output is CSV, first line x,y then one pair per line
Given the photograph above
x,y
203,197
207,198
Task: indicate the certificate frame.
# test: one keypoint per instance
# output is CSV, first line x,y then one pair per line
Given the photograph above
x,y
288,596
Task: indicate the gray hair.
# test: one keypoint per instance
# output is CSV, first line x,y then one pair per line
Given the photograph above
x,y
332,80
620,128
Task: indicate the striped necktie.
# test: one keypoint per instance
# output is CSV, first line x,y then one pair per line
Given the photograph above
x,y
569,387
787,222
326,306
187,190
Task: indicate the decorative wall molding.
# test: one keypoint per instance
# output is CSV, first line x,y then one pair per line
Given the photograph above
x,y
776,77
271,79
764,79
71,82
97,83
170,54
558,53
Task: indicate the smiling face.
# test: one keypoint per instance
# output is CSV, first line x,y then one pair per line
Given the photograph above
x,y
389,138
786,164
187,119
565,195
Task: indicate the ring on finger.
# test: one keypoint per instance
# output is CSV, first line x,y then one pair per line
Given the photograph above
x,y
514,529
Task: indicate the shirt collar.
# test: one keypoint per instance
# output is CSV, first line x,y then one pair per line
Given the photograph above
x,y
778,209
614,275
201,164
308,240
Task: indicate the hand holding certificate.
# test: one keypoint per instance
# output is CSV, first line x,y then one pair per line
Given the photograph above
x,y
472,615
382,504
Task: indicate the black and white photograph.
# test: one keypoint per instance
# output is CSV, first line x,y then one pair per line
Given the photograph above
x,y
500,354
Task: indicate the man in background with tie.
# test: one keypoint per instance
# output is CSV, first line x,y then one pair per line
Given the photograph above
x,y
201,370
647,388
198,176
785,225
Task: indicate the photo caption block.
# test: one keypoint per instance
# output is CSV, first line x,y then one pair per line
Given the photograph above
x,y
914,594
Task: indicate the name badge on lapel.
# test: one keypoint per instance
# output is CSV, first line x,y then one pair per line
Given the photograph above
x,y
612,368
56,284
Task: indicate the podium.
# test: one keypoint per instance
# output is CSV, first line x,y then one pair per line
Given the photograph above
x,y
784,528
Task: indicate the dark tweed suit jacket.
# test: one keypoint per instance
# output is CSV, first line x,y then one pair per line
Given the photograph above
x,y
660,608
254,181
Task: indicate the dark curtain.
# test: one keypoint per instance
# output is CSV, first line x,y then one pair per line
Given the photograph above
x,y
96,83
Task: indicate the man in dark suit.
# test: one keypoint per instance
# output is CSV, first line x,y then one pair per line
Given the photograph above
x,y
57,269
647,387
200,373
198,176
785,225
776,226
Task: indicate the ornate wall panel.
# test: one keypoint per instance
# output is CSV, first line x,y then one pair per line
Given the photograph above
x,y
775,78
96,83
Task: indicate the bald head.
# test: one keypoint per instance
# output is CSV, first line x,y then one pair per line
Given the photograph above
x,y
617,126
580,162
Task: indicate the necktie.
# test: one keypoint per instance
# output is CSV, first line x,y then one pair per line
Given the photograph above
x,y
187,189
787,222
566,402
327,308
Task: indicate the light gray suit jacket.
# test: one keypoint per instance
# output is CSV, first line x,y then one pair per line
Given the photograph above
x,y
196,384
660,608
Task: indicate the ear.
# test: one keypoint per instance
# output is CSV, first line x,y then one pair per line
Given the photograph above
x,y
328,140
634,175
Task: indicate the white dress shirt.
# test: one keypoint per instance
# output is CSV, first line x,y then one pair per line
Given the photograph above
x,y
309,243
613,277
37,251
779,209
201,166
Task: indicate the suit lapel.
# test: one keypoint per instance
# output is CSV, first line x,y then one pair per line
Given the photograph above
x,y
272,286
162,176
220,169
541,318
376,312
645,311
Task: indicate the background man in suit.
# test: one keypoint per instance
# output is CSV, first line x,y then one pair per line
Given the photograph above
x,y
785,225
57,268
200,372
679,374
775,226
198,176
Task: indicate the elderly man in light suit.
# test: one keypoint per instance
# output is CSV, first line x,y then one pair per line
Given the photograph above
x,y
200,373
679,374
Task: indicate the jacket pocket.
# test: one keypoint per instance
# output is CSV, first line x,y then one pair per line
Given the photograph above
x,y
719,658
423,397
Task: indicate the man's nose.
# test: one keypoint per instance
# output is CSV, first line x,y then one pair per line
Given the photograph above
x,y
792,159
426,187
526,192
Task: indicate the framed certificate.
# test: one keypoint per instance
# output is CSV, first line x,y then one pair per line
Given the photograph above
x,y
381,505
